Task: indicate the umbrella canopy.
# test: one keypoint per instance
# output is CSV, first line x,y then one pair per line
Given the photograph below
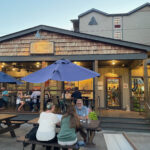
x,y
5,78
61,70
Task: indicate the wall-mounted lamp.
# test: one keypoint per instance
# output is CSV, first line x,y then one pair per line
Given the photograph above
x,y
3,65
13,69
113,62
38,64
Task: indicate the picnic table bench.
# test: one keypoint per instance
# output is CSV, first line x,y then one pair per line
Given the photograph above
x,y
91,127
26,141
10,126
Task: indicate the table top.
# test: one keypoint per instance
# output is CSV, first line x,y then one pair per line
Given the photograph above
x,y
6,116
92,125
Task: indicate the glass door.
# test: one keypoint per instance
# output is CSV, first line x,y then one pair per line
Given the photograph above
x,y
113,98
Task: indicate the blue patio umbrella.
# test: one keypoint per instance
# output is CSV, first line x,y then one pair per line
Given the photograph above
x,y
5,78
61,70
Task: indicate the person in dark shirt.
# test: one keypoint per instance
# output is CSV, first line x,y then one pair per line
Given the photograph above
x,y
76,95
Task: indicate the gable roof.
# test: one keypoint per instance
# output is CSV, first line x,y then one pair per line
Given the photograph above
x,y
119,14
77,35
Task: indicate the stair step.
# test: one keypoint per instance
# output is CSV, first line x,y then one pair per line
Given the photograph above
x,y
127,129
126,124
124,119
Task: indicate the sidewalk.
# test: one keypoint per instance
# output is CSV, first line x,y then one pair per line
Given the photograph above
x,y
140,140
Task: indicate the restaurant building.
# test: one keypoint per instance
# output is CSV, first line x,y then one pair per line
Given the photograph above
x,y
122,65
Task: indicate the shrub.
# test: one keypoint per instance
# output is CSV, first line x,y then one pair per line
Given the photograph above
x,y
93,115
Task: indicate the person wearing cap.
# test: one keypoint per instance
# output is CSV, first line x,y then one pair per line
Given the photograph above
x,y
47,124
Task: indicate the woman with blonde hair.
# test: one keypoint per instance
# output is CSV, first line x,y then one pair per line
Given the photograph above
x,y
20,102
69,124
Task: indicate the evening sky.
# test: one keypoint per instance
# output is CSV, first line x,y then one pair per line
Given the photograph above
x,y
16,15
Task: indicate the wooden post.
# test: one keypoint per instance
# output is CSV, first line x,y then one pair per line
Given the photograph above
x,y
145,80
146,99
95,85
44,64
130,89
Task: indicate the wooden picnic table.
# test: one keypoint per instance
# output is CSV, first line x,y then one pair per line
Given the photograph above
x,y
10,128
91,127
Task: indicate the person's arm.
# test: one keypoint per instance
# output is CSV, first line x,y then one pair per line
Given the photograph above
x,y
57,120
87,113
39,119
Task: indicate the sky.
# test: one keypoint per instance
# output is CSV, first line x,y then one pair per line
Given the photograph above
x,y
17,15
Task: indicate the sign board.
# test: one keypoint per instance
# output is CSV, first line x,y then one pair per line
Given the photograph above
x,y
42,47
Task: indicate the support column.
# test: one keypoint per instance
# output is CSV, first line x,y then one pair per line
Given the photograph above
x,y
44,64
95,85
145,76
146,99
130,89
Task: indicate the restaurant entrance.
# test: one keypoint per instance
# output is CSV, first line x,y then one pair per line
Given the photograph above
x,y
113,93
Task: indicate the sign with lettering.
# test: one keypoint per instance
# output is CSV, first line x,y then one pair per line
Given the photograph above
x,y
42,47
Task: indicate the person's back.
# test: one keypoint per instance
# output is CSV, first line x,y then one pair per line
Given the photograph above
x,y
66,133
47,124
69,124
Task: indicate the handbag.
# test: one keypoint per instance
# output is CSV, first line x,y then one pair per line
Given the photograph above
x,y
31,135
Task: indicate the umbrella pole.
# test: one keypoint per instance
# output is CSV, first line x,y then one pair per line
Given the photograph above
x,y
44,64
42,97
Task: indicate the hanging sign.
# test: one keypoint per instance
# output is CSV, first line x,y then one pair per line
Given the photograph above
x,y
42,47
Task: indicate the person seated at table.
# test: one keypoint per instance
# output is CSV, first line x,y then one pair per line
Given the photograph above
x,y
81,110
1,101
69,123
5,97
35,96
47,98
27,97
20,101
47,124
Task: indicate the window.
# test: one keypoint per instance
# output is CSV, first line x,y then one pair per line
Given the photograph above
x,y
117,22
118,35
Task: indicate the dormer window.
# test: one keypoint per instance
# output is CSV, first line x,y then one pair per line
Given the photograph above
x,y
93,21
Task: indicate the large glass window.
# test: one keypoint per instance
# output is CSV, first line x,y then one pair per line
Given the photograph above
x,y
137,101
85,86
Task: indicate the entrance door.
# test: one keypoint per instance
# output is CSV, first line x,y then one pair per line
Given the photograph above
x,y
113,100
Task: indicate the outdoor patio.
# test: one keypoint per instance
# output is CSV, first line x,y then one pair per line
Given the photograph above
x,y
140,140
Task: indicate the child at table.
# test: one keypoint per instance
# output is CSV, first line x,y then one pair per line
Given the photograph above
x,y
69,124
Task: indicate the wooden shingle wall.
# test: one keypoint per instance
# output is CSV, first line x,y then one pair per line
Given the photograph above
x,y
64,45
